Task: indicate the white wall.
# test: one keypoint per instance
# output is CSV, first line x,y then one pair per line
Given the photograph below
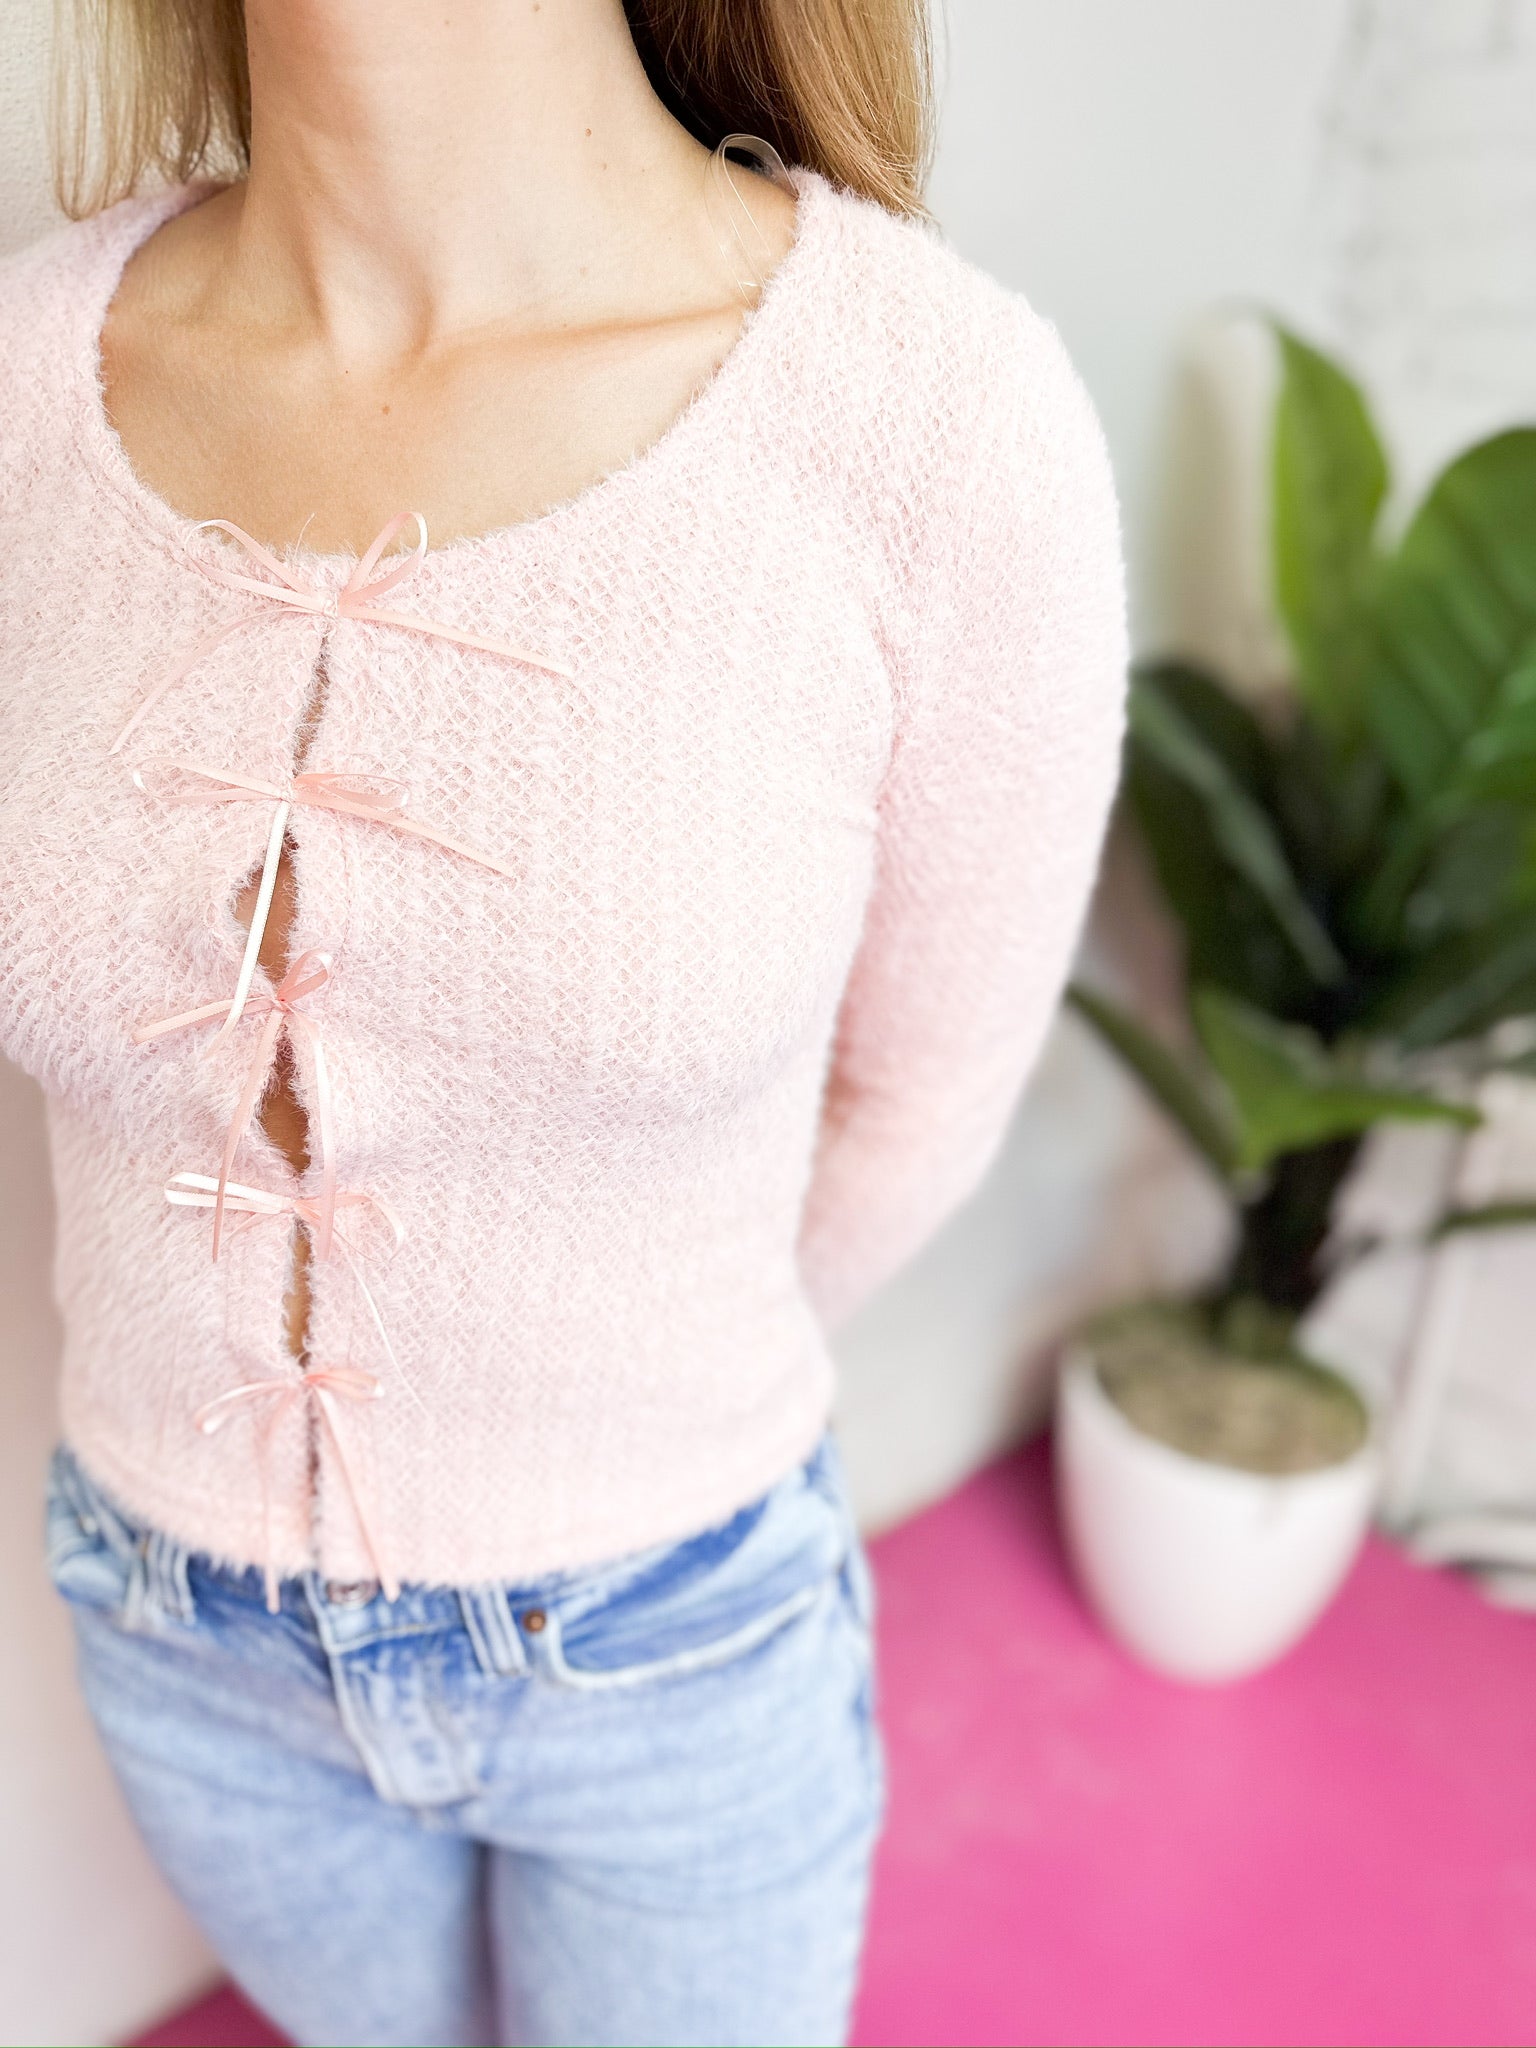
x,y
1429,219
1125,163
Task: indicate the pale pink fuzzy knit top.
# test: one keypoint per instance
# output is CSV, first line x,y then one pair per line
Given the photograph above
x,y
709,1003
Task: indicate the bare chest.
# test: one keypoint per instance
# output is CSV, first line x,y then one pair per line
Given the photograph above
x,y
490,433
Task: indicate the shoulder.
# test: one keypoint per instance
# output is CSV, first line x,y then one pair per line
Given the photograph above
x,y
53,294
44,288
902,277
39,286
963,402
45,284
943,329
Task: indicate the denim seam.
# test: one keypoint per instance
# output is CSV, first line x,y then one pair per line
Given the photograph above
x,y
722,1651
373,1759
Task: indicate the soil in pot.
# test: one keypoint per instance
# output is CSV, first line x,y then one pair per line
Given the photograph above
x,y
1258,1415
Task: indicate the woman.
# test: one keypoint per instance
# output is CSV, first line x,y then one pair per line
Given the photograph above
x,y
502,1004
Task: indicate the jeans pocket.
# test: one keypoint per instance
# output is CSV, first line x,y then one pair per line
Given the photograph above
x,y
703,1602
88,1550
857,1590
855,1580
856,1608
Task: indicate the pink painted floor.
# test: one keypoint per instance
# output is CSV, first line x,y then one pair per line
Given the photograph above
x,y
1340,1851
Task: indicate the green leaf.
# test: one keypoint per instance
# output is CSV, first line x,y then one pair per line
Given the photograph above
x,y
1230,934
1455,613
1463,985
1242,830
1329,807
1497,759
1223,721
1329,477
1476,869
1451,693
1174,1083
1290,1094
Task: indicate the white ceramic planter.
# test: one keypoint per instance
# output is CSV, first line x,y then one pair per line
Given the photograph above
x,y
1204,1572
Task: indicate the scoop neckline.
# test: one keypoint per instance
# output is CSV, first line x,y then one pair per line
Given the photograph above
x,y
101,446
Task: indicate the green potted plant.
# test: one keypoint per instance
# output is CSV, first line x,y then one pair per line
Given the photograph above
x,y
1352,869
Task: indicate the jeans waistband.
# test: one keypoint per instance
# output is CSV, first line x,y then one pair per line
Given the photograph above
x,y
502,1620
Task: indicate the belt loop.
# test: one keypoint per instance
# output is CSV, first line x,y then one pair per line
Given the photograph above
x,y
158,1589
166,1570
488,1621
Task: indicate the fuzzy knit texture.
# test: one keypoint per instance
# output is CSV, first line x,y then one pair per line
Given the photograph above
x,y
801,851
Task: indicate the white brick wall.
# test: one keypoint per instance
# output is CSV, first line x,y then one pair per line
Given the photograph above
x,y
1427,216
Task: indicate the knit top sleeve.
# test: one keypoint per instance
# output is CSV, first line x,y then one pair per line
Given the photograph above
x,y
1009,682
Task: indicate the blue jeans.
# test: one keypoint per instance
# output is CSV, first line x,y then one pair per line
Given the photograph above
x,y
632,1803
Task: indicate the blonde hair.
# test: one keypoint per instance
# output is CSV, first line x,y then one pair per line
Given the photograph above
x,y
844,87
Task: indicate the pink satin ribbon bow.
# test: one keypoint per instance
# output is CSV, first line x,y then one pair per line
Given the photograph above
x,y
320,1384
311,971
378,798
356,599
201,1191
355,796
325,1386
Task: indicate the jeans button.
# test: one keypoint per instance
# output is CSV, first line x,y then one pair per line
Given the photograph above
x,y
350,1592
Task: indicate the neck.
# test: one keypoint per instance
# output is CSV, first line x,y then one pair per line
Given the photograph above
x,y
419,169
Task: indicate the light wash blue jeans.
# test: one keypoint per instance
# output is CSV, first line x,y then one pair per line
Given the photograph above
x,y
633,1803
